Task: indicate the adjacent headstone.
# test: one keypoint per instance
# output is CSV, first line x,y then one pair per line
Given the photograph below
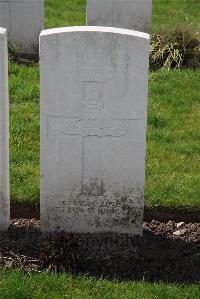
x,y
4,147
130,14
24,20
93,129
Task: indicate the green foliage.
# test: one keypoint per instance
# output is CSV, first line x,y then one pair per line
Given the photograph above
x,y
175,49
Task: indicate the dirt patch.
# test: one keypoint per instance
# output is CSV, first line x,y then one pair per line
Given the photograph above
x,y
24,210
176,214
168,252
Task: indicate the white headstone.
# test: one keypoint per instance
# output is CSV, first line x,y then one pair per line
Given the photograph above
x,y
93,129
24,20
130,14
4,147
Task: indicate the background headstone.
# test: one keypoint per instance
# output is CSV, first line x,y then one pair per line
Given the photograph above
x,y
24,20
4,147
130,14
93,129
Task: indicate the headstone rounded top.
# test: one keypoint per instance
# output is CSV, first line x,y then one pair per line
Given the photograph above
x,y
95,29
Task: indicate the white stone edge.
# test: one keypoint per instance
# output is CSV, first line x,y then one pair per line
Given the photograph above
x,y
4,130
3,31
95,29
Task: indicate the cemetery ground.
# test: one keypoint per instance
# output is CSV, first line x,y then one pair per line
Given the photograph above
x,y
166,253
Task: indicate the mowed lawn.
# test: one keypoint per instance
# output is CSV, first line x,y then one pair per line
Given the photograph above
x,y
17,285
172,174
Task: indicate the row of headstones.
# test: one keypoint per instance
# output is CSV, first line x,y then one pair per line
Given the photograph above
x,y
24,19
94,83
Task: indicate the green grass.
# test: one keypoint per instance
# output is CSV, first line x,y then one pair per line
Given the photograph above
x,y
62,13
172,168
172,177
166,13
16,285
24,132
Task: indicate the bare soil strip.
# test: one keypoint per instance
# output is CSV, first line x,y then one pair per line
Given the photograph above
x,y
168,252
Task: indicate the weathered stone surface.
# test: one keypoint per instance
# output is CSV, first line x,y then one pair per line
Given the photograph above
x,y
93,129
4,147
24,20
130,14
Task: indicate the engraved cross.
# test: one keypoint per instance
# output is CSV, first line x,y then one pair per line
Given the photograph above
x,y
93,126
